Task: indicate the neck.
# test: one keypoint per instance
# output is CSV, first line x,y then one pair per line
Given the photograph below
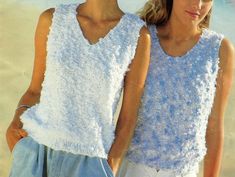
x,y
100,9
180,32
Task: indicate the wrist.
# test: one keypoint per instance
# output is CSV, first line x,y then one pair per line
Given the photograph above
x,y
23,106
114,164
20,109
16,123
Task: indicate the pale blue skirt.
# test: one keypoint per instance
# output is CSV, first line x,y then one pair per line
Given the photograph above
x,y
31,159
130,169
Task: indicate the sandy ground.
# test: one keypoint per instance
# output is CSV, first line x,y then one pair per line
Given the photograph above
x,y
17,26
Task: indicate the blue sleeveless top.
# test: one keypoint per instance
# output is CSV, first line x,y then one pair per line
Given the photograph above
x,y
177,101
82,85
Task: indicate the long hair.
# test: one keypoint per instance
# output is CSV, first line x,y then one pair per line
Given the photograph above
x,y
158,12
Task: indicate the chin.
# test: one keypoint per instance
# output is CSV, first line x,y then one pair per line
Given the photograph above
x,y
190,23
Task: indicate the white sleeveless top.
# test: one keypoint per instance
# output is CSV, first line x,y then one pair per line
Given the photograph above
x,y
82,85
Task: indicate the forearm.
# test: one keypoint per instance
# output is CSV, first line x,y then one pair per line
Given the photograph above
x,y
215,128
124,133
29,98
14,131
122,140
125,127
212,161
133,89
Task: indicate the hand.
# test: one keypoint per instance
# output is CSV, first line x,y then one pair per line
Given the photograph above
x,y
14,134
114,165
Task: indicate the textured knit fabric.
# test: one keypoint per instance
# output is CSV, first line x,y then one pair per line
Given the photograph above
x,y
176,104
31,159
82,85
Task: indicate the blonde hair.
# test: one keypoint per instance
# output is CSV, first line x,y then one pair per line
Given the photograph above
x,y
158,12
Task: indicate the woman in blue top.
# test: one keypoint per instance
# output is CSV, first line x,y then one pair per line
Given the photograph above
x,y
181,116
64,124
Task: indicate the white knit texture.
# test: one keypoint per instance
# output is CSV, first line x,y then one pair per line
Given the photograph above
x,y
82,85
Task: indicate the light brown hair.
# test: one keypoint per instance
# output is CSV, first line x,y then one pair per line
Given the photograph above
x,y
158,12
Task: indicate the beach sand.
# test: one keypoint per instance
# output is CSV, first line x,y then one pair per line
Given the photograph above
x,y
17,26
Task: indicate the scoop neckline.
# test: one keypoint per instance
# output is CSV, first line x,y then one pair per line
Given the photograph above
x,y
181,57
100,39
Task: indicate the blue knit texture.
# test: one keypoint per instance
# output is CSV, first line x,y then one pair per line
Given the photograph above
x,y
175,106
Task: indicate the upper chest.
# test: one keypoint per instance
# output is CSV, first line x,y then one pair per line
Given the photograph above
x,y
94,31
177,48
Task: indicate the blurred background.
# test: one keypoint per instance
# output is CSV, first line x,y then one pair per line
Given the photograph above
x,y
18,20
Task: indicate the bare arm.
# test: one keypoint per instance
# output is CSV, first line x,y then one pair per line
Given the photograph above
x,y
215,128
133,88
32,94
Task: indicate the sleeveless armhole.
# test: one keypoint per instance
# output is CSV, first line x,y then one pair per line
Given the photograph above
x,y
52,28
218,41
137,24
215,39
216,44
152,31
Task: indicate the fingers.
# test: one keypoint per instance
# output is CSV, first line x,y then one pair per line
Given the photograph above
x,y
22,133
19,134
12,137
14,134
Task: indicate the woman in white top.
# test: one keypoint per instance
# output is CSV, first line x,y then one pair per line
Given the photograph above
x,y
64,124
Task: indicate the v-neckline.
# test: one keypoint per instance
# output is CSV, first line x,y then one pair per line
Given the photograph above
x,y
180,57
100,39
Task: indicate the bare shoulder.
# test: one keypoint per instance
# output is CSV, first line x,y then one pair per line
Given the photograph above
x,y
46,16
226,55
226,52
144,31
44,23
144,38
